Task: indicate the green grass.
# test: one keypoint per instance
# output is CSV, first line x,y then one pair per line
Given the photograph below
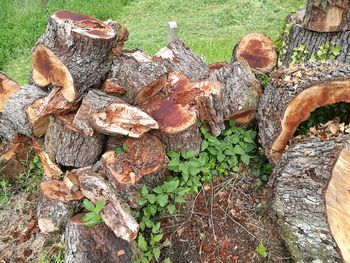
x,y
211,28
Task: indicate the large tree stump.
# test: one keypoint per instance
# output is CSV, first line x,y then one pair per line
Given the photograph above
x,y
111,115
115,216
327,16
93,244
290,97
138,75
176,56
56,204
15,112
74,53
258,51
69,147
143,163
311,200
240,92
296,36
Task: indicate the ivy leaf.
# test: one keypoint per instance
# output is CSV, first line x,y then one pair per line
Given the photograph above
x,y
88,216
151,198
155,228
245,159
142,201
158,189
156,253
171,209
167,260
261,250
162,199
141,242
88,205
144,191
156,238
204,145
119,150
171,186
239,150
179,199
221,157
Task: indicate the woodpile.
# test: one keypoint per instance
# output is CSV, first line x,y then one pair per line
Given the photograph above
x,y
88,96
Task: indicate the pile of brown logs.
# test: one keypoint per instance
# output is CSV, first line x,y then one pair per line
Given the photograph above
x,y
86,96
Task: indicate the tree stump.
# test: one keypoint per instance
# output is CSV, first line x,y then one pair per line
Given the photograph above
x,y
69,147
56,204
290,97
143,163
311,200
258,51
115,216
111,115
93,244
74,53
176,56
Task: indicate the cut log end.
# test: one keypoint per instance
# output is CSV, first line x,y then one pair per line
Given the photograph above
x,y
57,190
111,86
258,51
7,88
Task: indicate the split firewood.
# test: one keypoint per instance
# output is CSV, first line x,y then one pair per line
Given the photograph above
x,y
138,75
56,204
12,159
69,147
51,169
74,53
7,88
15,112
111,115
240,92
298,36
290,97
311,200
327,16
258,51
71,178
111,87
93,244
143,163
115,216
176,56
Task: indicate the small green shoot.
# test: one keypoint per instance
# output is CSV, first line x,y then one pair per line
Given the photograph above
x,y
93,217
261,250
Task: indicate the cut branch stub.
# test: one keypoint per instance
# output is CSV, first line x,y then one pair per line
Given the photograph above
x,y
69,147
143,163
15,112
73,53
327,16
93,244
311,200
115,216
111,115
292,94
176,56
140,77
258,51
56,205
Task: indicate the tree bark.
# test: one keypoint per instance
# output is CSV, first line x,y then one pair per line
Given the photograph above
x,y
71,148
111,115
143,163
176,56
56,204
15,114
74,53
290,97
138,75
295,36
311,200
327,16
258,51
115,216
93,244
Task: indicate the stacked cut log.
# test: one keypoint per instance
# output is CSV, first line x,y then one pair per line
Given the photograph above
x,y
323,22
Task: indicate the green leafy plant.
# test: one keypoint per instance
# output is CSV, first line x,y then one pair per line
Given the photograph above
x,y
93,217
299,55
120,150
261,250
31,177
5,192
326,51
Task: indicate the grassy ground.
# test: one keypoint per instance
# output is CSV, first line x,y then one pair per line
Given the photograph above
x,y
210,27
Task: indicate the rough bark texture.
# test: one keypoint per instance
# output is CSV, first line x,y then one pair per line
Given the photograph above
x,y
115,216
240,92
73,53
178,57
140,77
143,163
111,115
93,244
71,148
15,112
290,97
296,35
327,16
258,51
56,205
299,188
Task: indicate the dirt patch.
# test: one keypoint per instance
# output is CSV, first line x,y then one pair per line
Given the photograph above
x,y
224,222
